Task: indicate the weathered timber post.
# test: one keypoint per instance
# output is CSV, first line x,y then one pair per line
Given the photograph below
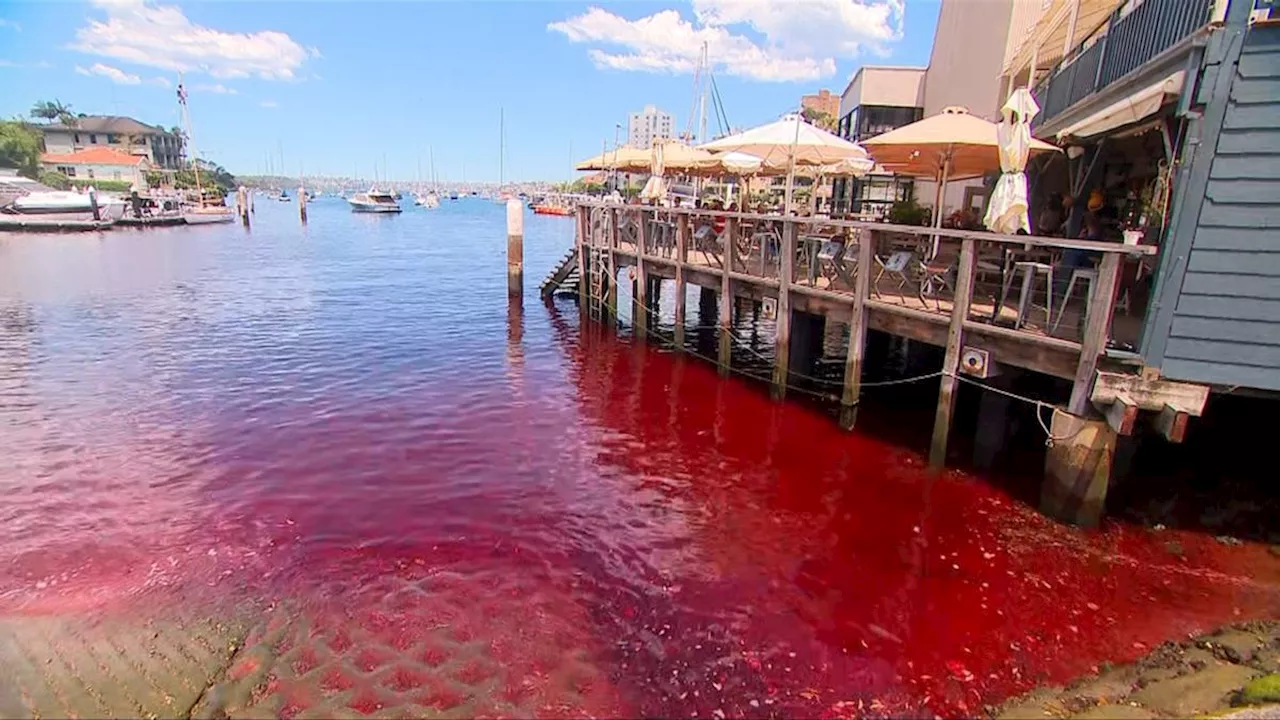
x,y
580,240
857,331
640,288
682,294
611,268
951,361
1077,466
782,343
302,204
726,296
242,204
515,249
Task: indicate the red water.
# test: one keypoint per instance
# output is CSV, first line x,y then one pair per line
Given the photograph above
x,y
344,422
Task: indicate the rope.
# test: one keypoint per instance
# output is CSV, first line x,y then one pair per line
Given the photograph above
x,y
1050,438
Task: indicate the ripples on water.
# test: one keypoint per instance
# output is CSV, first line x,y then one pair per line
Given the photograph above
x,y
346,418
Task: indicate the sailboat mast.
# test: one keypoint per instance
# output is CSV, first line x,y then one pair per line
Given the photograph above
x,y
502,148
191,140
702,101
434,184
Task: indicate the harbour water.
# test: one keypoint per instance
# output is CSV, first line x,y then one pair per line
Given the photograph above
x,y
341,423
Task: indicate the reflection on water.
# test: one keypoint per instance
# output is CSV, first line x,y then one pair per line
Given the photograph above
x,y
347,418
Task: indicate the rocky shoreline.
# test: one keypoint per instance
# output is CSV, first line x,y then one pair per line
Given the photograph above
x,y
1233,672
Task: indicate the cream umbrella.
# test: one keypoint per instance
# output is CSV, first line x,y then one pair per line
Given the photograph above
x,y
623,158
951,145
792,142
1007,211
655,188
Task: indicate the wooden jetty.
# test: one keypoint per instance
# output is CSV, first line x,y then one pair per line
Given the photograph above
x,y
987,299
50,224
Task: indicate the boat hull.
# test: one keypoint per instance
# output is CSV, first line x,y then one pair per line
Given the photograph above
x,y
208,218
374,208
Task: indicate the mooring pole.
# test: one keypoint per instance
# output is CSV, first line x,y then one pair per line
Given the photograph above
x,y
302,204
242,204
515,249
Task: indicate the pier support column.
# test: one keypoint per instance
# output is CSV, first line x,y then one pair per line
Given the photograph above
x,y
242,204
726,296
782,344
857,333
1077,469
707,309
806,343
682,289
302,204
951,361
515,249
640,286
993,423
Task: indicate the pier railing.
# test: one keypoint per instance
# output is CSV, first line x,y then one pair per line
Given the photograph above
x,y
1008,296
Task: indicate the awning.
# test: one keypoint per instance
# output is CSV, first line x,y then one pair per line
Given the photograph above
x,y
1047,37
1141,104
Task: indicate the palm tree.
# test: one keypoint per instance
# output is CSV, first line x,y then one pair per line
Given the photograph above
x,y
56,110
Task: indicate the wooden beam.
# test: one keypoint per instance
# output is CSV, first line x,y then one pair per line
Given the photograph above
x,y
726,295
951,361
782,344
1150,393
1121,414
611,269
857,334
682,247
584,282
640,288
1097,326
1172,423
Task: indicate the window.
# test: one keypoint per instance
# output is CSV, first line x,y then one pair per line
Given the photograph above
x,y
93,139
77,137
113,139
90,171
67,170
141,139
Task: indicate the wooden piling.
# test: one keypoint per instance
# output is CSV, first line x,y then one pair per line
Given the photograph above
x,y
640,289
515,249
726,296
242,204
1097,325
782,343
302,204
611,269
857,332
951,361
580,241
682,294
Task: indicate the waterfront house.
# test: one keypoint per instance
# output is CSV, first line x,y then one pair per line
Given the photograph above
x,y
162,148
99,163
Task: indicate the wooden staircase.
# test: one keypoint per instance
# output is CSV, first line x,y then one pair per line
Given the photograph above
x,y
564,278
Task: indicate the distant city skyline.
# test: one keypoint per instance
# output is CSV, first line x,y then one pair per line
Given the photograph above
x,y
334,90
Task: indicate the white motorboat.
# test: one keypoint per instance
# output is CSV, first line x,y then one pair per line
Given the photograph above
x,y
67,205
374,201
429,200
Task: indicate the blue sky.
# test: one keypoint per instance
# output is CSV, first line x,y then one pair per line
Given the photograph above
x,y
339,85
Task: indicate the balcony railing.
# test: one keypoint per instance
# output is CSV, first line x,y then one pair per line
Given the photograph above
x,y
1123,44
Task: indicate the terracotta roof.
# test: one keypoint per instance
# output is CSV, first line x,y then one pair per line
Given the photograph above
x,y
94,156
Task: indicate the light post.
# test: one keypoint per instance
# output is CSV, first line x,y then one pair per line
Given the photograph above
x,y
617,128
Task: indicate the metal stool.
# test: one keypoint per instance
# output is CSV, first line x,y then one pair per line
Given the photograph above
x,y
1029,272
1088,275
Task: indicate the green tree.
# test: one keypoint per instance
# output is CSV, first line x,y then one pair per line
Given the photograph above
x,y
820,119
55,110
20,148
54,179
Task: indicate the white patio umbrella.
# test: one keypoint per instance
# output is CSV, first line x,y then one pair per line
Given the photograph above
x,y
656,188
1007,211
792,141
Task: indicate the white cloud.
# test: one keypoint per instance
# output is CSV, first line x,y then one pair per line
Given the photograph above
x,y
11,25
115,75
161,36
797,39
216,89
269,104
160,82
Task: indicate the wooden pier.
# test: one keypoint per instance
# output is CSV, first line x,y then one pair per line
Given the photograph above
x,y
987,299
